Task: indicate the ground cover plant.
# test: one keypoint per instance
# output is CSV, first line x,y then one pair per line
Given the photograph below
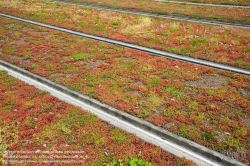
x,y
33,121
207,106
192,11
220,44
221,2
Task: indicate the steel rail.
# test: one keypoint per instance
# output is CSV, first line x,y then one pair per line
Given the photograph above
x,y
137,47
202,21
168,141
204,4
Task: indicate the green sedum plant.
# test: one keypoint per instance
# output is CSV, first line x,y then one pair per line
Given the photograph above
x,y
132,162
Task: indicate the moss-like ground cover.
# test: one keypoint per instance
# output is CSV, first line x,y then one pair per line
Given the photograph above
x,y
205,105
201,12
221,2
33,122
220,44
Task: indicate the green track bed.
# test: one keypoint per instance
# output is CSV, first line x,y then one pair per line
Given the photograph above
x,y
233,15
219,2
219,44
35,125
205,105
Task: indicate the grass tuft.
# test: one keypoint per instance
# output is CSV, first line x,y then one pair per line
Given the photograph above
x,y
80,56
119,136
11,50
198,42
175,92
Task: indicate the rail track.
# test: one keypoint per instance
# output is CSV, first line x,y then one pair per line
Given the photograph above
x,y
170,142
137,47
202,21
204,4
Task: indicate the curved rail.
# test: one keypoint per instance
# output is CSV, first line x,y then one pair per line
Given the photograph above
x,y
204,4
170,142
202,21
140,48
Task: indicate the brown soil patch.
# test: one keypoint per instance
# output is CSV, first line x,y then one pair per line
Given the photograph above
x,y
209,82
94,65
61,77
169,126
109,16
136,94
138,83
221,136
161,108
21,60
20,42
246,122
244,92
